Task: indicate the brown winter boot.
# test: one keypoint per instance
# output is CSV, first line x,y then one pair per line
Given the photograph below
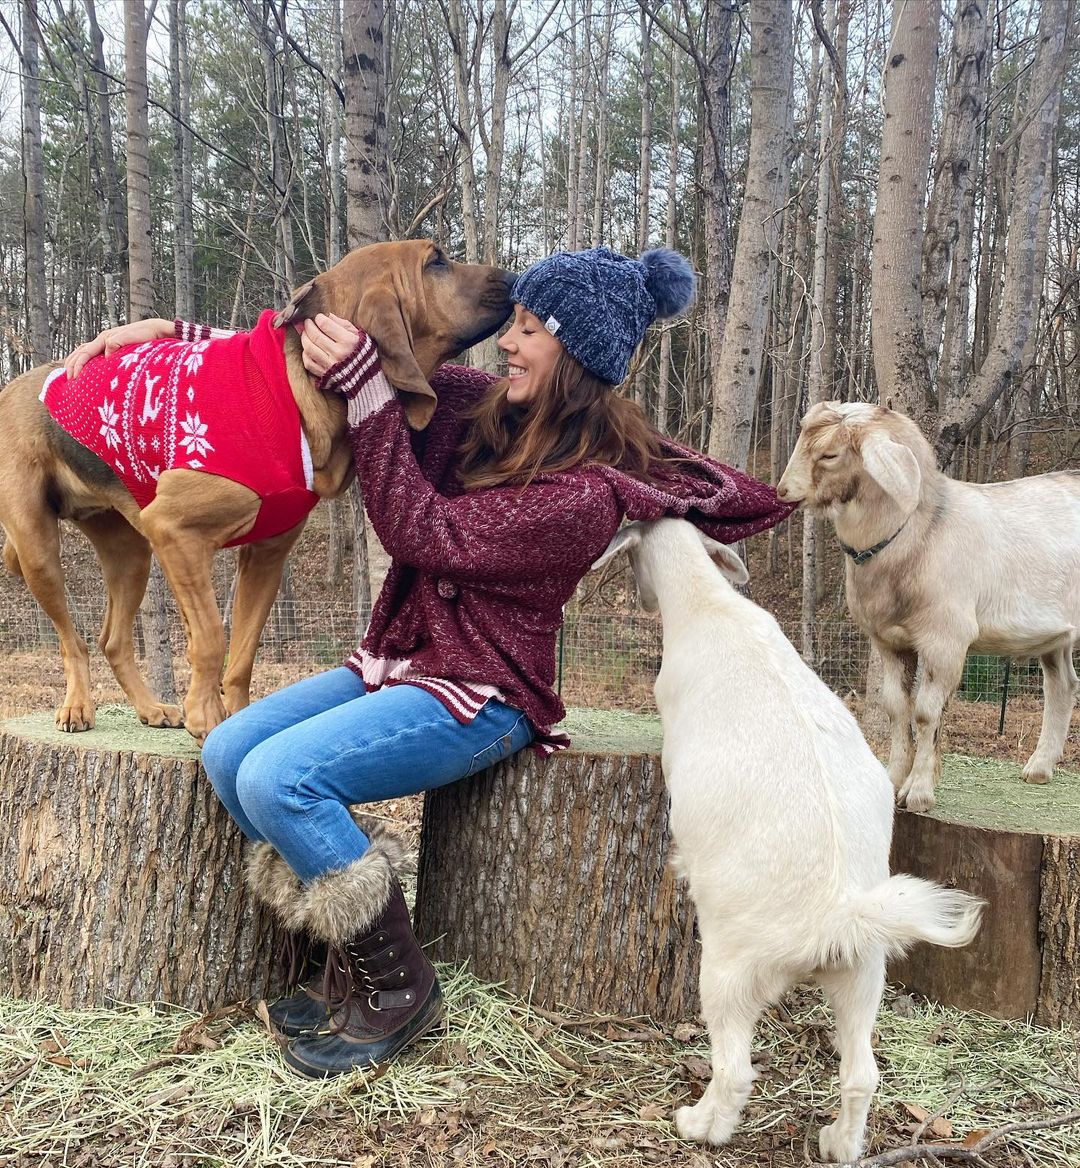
x,y
381,986
275,885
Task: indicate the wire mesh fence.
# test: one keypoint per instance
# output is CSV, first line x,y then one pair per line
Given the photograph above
x,y
608,654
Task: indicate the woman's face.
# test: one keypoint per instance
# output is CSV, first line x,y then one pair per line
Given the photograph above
x,y
531,355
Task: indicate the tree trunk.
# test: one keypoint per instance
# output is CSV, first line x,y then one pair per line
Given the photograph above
x,y
1015,321
37,290
115,230
950,219
734,388
124,880
180,92
140,266
896,320
815,386
551,876
365,119
715,80
663,380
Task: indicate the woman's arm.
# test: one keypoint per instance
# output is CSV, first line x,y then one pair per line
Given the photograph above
x,y
505,533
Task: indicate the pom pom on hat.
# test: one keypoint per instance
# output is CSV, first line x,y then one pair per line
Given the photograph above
x,y
670,280
599,303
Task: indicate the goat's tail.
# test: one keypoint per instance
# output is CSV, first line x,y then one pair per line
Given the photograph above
x,y
904,909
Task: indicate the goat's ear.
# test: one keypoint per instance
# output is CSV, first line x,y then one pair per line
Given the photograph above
x,y
726,560
894,467
629,537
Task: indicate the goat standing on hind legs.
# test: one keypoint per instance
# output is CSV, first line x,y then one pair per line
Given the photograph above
x,y
938,568
782,828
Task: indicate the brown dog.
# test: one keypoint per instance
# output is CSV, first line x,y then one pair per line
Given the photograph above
x,y
421,308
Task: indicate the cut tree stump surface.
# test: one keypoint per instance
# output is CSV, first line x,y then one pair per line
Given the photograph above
x,y
122,880
1017,846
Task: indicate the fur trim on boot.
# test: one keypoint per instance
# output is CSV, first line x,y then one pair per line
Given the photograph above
x,y
345,903
274,884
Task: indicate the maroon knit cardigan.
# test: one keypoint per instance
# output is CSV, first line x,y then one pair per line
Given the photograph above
x,y
479,579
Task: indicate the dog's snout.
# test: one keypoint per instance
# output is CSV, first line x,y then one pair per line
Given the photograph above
x,y
507,279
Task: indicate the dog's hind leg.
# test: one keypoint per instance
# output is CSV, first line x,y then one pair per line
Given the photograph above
x,y
124,556
33,550
258,577
855,995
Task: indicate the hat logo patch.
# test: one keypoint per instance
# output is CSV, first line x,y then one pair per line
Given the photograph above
x,y
552,325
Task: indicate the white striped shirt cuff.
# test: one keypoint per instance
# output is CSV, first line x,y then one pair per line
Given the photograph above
x,y
372,397
186,331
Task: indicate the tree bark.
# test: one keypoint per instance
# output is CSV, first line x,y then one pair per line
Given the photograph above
x,y
1015,320
180,92
365,120
551,876
896,320
37,290
124,880
137,96
715,81
950,218
735,386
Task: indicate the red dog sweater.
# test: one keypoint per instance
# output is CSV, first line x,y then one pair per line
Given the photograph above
x,y
211,401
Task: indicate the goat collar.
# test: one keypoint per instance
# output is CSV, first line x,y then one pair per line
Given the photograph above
x,y
870,552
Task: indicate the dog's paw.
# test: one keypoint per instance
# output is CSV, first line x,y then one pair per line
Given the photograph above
x,y
704,1124
73,717
161,716
838,1147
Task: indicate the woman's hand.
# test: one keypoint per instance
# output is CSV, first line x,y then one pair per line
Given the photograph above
x,y
109,340
328,341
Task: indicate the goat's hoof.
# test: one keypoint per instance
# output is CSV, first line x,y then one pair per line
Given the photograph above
x,y
162,717
1037,775
702,1124
73,717
915,798
836,1147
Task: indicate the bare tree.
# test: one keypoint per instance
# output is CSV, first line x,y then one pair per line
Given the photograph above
x,y
37,291
362,25
1035,135
734,389
180,95
896,317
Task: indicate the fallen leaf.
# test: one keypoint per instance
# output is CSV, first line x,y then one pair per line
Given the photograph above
x,y
426,1118
699,1068
974,1136
653,1111
687,1032
489,1148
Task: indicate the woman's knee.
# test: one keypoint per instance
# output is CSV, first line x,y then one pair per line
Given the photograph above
x,y
266,785
222,753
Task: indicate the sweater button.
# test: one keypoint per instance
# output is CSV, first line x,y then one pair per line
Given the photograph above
x,y
447,589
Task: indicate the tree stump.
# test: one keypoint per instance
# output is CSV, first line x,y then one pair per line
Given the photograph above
x,y
551,875
1017,846
122,876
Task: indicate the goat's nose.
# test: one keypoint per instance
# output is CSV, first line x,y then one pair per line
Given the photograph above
x,y
781,490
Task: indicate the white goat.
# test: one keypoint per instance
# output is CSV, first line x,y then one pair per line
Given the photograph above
x,y
782,819
938,567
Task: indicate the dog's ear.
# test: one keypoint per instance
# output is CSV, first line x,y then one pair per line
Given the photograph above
x,y
304,304
380,315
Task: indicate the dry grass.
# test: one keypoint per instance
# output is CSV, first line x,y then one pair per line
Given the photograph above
x,y
500,1084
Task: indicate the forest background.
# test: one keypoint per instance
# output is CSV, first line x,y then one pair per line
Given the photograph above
x,y
882,202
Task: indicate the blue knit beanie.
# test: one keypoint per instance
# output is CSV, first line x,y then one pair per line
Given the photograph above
x,y
599,303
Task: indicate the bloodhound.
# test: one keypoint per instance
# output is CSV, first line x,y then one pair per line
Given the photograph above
x,y
421,308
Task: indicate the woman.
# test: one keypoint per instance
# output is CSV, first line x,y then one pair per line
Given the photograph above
x,y
491,518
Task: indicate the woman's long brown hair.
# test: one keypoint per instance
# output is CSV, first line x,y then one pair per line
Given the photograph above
x,y
576,418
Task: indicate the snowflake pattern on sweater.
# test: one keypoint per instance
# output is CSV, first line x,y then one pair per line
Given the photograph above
x,y
212,401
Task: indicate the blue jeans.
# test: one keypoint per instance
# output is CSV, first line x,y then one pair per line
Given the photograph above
x,y
288,767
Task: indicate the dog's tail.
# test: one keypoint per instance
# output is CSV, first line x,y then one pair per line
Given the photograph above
x,y
895,914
